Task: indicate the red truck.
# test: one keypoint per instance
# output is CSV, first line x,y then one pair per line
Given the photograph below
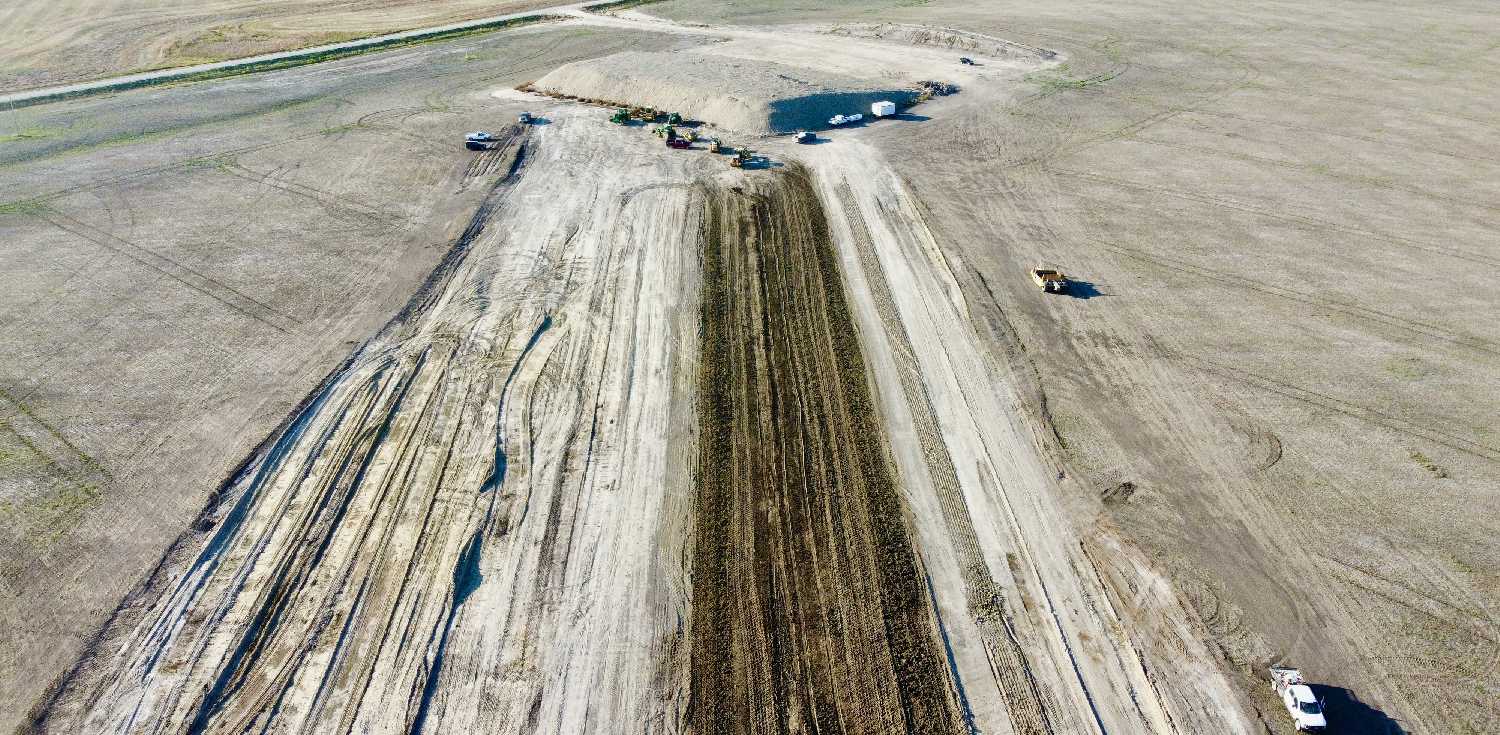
x,y
679,143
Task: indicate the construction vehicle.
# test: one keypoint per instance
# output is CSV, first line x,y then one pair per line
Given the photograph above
x,y
1297,696
674,119
664,131
1049,280
715,145
478,141
679,143
741,157
805,137
524,118
966,61
691,135
621,116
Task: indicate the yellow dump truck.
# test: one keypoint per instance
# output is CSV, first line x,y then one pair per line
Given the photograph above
x,y
1049,280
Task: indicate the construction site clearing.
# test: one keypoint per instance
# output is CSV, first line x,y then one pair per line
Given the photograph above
x,y
698,368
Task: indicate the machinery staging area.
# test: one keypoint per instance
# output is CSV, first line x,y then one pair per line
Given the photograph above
x,y
700,367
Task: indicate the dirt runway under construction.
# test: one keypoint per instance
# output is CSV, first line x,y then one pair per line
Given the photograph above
x,y
810,613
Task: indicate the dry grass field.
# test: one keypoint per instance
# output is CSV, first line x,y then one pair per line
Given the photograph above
x,y
50,43
311,419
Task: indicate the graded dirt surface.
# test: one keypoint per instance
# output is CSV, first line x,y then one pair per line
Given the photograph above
x,y
810,613
1259,429
51,43
184,267
743,95
406,554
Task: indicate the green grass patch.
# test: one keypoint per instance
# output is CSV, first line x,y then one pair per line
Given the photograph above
x,y
32,133
23,208
1426,463
611,7
1062,77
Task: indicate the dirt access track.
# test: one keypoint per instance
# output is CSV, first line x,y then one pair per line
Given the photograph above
x,y
955,504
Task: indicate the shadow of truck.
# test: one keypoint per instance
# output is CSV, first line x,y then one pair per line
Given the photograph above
x,y
1349,716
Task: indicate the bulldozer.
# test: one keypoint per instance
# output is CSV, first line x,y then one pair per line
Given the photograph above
x,y
715,145
1049,280
741,157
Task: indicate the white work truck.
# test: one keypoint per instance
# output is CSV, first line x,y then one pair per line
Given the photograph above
x,y
1301,704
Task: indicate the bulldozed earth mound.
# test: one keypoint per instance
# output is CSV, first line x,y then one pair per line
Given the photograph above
x,y
746,95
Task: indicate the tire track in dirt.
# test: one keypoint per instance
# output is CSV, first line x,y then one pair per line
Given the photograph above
x,y
455,533
1353,310
1338,405
1025,697
1306,221
230,297
810,610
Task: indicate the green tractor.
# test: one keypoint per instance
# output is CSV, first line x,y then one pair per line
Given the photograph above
x,y
621,116
674,119
665,131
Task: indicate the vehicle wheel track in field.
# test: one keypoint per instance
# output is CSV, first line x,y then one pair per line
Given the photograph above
x,y
1357,311
355,213
335,586
196,280
1338,405
1288,217
1026,700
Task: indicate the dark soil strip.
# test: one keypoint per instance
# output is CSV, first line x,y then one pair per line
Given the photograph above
x,y
810,612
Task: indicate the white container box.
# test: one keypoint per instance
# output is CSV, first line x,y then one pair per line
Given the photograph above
x,y
883,108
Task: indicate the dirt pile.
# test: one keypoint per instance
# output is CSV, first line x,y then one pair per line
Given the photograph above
x,y
751,96
809,608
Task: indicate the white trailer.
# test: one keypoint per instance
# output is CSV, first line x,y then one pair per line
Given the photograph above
x,y
1297,696
883,108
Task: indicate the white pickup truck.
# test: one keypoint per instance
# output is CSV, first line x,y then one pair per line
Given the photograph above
x,y
1301,704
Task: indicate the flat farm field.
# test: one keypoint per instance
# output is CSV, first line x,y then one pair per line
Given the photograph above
x,y
48,43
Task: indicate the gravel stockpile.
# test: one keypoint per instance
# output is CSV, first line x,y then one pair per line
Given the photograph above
x,y
738,94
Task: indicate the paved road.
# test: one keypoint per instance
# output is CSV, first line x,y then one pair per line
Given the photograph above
x,y
45,94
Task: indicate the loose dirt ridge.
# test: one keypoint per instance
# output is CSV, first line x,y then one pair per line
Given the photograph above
x,y
810,610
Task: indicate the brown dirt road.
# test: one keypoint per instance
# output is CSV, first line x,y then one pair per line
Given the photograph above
x,y
810,610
